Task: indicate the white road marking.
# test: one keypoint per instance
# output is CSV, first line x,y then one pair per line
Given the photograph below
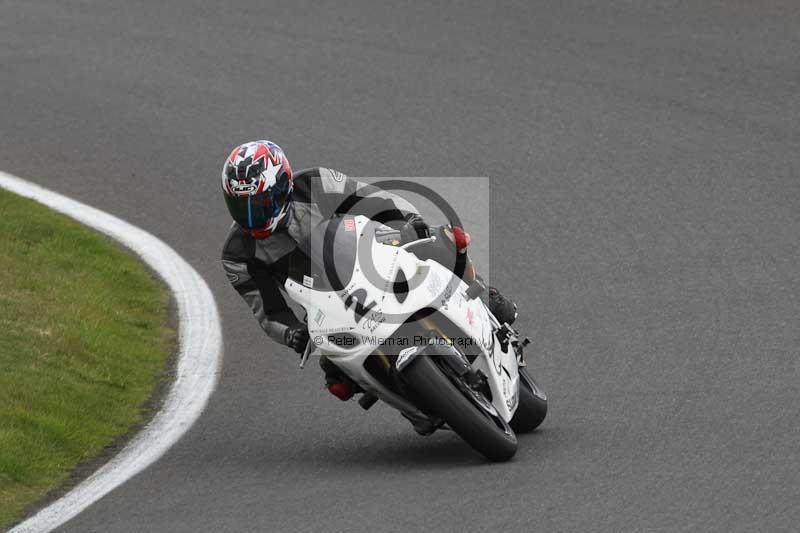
x,y
199,358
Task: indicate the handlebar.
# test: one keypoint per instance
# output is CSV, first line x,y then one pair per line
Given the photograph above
x,y
426,240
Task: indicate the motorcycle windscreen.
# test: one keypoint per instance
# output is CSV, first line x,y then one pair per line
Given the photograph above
x,y
332,249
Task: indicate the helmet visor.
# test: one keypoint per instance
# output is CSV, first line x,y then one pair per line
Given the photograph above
x,y
257,211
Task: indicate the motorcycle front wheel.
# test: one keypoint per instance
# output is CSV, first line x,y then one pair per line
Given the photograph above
x,y
467,412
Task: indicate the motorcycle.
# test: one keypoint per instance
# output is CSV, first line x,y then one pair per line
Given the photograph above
x,y
412,334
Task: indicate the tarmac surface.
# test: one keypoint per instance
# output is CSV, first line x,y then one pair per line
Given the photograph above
x,y
645,213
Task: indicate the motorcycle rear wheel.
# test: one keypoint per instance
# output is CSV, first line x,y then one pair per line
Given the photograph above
x,y
532,406
487,433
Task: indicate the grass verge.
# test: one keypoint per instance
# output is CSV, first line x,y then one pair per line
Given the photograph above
x,y
84,340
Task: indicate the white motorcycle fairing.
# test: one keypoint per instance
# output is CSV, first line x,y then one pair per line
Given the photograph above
x,y
348,325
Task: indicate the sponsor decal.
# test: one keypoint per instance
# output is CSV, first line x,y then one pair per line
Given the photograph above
x,y
308,281
242,188
487,332
510,393
319,318
389,281
403,356
461,299
470,317
446,295
349,224
512,401
374,319
340,329
435,284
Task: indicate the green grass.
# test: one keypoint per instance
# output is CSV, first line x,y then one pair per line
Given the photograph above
x,y
83,342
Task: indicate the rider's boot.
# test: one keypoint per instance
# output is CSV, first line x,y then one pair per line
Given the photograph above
x,y
504,310
337,383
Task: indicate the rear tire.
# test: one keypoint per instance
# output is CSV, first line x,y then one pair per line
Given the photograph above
x,y
435,392
532,406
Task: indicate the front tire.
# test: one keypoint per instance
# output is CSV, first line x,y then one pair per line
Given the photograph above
x,y
435,392
532,406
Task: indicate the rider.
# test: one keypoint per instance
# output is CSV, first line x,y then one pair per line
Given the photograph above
x,y
274,209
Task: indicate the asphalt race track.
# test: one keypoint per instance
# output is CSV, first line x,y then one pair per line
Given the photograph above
x,y
645,213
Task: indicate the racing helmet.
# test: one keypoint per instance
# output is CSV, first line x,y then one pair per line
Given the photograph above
x,y
257,185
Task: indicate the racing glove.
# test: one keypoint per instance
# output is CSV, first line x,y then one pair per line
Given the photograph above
x,y
296,337
414,228
461,239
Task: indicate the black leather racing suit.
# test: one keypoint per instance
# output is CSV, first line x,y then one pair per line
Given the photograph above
x,y
257,269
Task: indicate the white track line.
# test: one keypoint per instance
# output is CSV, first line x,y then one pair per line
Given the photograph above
x,y
199,357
